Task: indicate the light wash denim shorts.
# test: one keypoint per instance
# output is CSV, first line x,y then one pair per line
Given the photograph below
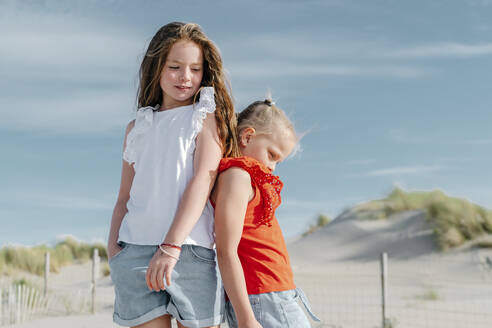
x,y
276,310
195,297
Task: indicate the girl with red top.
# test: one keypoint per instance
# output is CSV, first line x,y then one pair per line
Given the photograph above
x,y
251,250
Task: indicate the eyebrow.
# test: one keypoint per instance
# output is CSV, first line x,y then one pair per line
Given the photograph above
x,y
180,62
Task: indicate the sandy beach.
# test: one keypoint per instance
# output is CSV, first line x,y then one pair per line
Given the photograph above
x,y
338,267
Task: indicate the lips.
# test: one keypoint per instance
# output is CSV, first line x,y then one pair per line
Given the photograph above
x,y
183,88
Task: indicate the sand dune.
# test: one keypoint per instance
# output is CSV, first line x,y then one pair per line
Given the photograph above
x,y
338,268
403,236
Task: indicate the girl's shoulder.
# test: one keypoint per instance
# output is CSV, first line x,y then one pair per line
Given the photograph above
x,y
129,127
258,172
205,106
137,127
248,164
235,176
269,185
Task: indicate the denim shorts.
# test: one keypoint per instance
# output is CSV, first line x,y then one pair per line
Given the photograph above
x,y
195,297
276,310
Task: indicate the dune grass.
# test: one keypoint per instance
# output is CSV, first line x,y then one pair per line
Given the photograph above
x,y
484,244
321,221
31,259
454,220
428,295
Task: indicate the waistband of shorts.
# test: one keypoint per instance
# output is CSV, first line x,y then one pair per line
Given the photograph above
x,y
123,243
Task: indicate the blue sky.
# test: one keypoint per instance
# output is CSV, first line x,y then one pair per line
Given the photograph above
x,y
387,93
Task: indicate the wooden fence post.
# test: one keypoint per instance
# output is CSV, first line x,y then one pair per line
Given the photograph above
x,y
18,304
95,271
46,271
384,289
1,307
11,306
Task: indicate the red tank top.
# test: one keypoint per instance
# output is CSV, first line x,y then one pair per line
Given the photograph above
x,y
262,250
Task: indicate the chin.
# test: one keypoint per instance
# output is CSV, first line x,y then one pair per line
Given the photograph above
x,y
185,96
182,98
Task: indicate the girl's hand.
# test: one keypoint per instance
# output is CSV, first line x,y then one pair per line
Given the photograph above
x,y
161,265
113,249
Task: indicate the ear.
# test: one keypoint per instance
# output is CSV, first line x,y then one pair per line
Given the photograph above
x,y
246,135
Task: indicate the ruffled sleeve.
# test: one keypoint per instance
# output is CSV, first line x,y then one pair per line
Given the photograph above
x,y
269,185
143,123
205,105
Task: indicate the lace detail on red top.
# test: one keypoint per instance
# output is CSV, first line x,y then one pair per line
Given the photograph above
x,y
268,184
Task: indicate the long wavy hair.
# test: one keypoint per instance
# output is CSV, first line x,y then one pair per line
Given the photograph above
x,y
150,92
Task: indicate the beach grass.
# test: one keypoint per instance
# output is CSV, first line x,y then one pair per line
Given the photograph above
x,y
321,221
484,244
428,295
32,259
25,282
105,270
454,220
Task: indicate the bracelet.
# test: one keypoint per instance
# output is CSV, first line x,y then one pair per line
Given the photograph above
x,y
171,245
168,254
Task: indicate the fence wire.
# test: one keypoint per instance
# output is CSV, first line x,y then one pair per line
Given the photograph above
x,y
430,293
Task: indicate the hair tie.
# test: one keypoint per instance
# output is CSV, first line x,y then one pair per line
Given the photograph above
x,y
269,102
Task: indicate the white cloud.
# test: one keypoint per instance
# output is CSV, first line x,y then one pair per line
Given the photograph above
x,y
304,47
58,50
45,46
63,236
300,46
442,49
276,69
60,201
83,53
87,112
405,170
329,55
304,54
66,73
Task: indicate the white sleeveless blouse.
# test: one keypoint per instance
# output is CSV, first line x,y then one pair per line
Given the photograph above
x,y
161,146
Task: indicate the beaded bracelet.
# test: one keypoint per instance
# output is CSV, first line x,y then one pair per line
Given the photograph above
x,y
168,254
171,245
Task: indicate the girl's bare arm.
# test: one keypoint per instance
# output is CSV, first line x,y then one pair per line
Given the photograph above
x,y
119,211
233,193
208,152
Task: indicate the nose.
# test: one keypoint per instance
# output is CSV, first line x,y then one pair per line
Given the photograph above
x,y
186,73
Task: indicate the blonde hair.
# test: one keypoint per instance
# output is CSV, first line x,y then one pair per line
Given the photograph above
x,y
150,92
263,115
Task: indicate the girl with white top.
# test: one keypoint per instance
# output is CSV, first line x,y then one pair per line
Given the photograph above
x,y
161,239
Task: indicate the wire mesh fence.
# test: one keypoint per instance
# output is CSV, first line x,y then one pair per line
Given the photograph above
x,y
21,303
22,300
432,292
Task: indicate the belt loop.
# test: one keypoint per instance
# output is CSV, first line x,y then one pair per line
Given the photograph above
x,y
305,301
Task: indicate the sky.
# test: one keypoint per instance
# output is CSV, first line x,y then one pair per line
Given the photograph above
x,y
385,93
